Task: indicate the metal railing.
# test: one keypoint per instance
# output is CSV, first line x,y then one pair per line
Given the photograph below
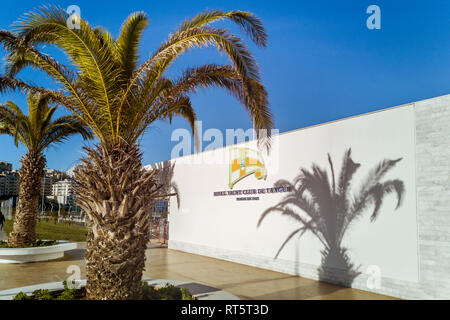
x,y
160,231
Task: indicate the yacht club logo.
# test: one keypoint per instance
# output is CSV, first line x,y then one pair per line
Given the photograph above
x,y
245,162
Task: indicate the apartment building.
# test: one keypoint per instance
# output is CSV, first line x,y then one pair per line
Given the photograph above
x,y
62,192
9,180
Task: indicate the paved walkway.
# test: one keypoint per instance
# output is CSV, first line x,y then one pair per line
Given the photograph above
x,y
243,281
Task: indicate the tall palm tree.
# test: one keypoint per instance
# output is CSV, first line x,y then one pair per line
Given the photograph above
x,y
327,208
118,98
36,131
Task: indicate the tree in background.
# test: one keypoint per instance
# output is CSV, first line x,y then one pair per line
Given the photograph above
x,y
36,131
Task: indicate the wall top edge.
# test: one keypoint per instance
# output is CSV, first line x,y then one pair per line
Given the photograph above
x,y
406,105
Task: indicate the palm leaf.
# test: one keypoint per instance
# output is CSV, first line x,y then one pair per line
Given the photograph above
x,y
129,40
246,20
114,96
38,130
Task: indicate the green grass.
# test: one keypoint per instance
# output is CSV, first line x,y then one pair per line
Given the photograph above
x,y
51,231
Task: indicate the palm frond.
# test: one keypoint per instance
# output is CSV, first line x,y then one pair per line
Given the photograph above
x,y
249,23
14,123
91,56
38,130
29,56
129,40
62,128
199,37
230,44
249,92
117,98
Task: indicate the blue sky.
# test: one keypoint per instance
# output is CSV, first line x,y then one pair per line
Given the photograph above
x,y
322,62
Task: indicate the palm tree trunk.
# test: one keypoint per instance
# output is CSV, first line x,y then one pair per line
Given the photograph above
x,y
116,193
31,173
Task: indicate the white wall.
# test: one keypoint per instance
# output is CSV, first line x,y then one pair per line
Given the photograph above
x,y
225,228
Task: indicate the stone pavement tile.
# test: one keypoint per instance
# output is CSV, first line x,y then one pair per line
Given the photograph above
x,y
245,282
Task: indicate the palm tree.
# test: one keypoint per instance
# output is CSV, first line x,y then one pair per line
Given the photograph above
x,y
118,98
36,131
328,208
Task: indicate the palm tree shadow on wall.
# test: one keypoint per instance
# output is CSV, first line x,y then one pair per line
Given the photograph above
x,y
327,209
164,177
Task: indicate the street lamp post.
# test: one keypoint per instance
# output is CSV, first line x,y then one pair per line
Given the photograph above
x,y
43,195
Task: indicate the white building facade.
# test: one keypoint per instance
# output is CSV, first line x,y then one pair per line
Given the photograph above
x,y
363,202
62,192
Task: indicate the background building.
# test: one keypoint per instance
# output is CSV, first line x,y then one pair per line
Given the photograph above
x,y
62,192
55,184
51,177
9,180
9,188
5,166
56,192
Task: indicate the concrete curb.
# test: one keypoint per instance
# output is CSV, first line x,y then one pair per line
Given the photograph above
x,y
34,254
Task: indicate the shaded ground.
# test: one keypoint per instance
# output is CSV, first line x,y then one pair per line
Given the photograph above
x,y
243,281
